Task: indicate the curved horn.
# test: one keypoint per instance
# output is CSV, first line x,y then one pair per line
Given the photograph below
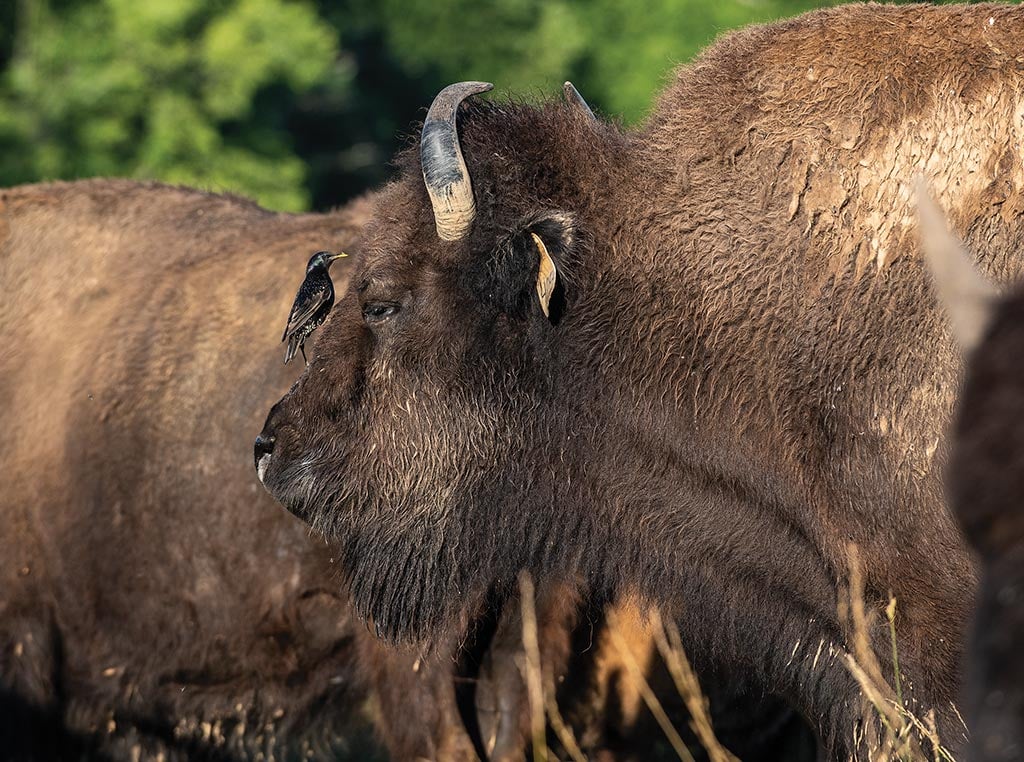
x,y
574,99
444,169
968,297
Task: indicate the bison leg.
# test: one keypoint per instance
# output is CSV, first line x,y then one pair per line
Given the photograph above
x,y
502,705
31,714
417,716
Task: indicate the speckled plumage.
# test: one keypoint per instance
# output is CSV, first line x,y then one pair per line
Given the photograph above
x,y
312,305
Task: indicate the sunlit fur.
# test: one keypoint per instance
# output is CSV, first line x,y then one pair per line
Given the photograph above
x,y
154,601
746,373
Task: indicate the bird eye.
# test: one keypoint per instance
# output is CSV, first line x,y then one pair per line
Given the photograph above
x,y
376,312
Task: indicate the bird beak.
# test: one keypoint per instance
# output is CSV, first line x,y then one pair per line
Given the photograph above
x,y
337,256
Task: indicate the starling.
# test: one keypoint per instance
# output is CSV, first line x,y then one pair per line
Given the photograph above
x,y
312,304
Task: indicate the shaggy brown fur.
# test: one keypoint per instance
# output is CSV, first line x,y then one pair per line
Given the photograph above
x,y
153,596
744,370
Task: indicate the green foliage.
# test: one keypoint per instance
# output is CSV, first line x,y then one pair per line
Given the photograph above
x,y
523,44
300,102
623,76
256,42
160,89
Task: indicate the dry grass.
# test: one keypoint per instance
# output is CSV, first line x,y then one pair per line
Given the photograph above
x,y
904,736
541,690
540,686
891,731
650,698
670,646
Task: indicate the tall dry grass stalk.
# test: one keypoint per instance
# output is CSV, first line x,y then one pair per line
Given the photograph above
x,y
540,684
532,669
648,695
670,646
562,730
901,729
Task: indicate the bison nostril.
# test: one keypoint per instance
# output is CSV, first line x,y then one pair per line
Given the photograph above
x,y
264,446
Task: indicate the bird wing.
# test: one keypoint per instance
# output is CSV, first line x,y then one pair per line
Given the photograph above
x,y
303,311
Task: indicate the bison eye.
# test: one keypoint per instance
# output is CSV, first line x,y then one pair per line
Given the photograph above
x,y
376,312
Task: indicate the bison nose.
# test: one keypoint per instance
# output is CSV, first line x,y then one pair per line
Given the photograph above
x,y
264,446
262,449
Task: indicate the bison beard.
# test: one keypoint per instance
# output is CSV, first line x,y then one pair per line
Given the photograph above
x,y
425,473
745,371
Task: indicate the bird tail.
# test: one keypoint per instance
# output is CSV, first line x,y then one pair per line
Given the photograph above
x,y
293,347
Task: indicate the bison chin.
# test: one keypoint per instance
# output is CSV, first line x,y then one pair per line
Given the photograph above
x,y
408,587
414,581
415,570
417,565
416,520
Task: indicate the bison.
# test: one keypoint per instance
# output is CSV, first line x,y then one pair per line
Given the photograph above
x,y
986,478
156,605
151,599
155,600
696,360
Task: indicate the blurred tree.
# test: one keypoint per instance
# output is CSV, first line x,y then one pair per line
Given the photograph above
x,y
303,102
162,89
639,50
521,44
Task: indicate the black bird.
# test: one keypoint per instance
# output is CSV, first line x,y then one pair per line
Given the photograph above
x,y
312,304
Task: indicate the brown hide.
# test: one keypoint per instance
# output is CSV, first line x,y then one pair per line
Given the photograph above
x,y
987,477
154,599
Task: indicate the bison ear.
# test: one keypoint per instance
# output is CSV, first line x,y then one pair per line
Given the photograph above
x,y
548,240
525,275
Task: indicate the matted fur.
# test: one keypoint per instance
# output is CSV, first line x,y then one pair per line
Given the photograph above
x,y
747,372
154,603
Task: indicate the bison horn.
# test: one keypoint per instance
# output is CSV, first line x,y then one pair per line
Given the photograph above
x,y
574,99
444,169
967,296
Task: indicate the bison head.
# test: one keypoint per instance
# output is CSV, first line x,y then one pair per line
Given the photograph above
x,y
430,436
